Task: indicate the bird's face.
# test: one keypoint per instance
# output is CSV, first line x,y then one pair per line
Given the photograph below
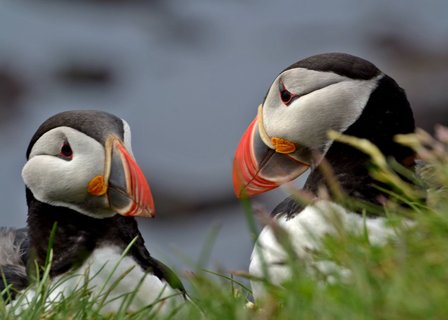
x,y
289,133
69,168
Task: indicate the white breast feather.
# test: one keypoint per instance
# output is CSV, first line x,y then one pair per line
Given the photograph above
x,y
99,267
305,231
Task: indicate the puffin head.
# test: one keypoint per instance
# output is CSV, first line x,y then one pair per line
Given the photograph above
x,y
83,160
332,91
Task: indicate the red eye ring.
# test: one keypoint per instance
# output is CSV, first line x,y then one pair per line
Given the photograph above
x,y
66,151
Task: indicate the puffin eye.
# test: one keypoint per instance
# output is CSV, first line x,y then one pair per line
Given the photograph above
x,y
66,151
286,96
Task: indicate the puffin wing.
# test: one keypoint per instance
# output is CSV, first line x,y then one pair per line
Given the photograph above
x,y
14,250
142,256
289,207
163,272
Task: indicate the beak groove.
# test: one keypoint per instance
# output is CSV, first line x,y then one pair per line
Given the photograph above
x,y
246,178
262,163
129,193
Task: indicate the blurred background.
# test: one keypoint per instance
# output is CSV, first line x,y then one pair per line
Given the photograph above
x,y
188,76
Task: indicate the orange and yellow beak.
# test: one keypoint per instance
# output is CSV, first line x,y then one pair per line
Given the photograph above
x,y
263,163
127,190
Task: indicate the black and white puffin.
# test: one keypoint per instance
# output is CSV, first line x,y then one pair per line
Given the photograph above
x,y
81,175
334,91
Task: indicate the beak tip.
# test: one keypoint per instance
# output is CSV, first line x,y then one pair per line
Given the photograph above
x,y
243,191
238,192
238,186
242,195
131,195
145,211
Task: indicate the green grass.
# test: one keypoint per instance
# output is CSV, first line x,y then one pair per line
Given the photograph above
x,y
405,279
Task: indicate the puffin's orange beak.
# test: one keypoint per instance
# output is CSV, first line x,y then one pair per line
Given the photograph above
x,y
259,167
127,189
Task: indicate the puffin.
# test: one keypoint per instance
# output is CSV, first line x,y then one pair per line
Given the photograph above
x,y
289,136
84,189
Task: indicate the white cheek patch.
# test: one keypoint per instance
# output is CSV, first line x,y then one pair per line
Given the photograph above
x,y
302,81
127,137
52,179
307,119
56,181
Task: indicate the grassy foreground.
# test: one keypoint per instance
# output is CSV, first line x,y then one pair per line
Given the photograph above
x,y
405,279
